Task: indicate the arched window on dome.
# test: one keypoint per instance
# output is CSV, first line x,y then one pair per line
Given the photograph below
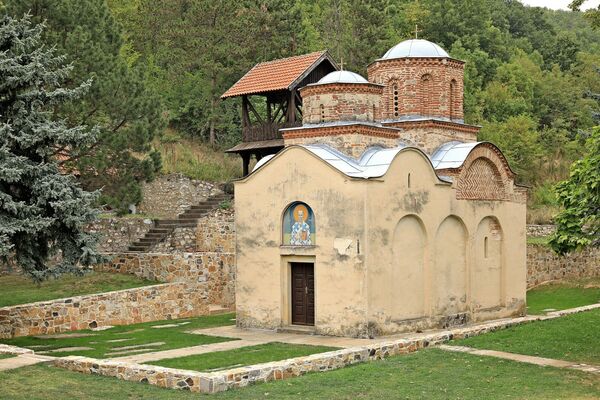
x,y
395,100
426,95
452,99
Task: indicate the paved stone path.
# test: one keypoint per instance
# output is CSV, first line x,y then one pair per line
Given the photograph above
x,y
23,360
542,361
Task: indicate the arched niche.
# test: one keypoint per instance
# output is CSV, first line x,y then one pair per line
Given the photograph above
x,y
486,275
408,265
481,180
298,227
449,274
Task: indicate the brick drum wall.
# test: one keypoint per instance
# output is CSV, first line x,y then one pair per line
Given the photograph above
x,y
544,265
169,195
150,303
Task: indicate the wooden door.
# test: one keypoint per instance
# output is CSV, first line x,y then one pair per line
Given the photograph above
x,y
303,294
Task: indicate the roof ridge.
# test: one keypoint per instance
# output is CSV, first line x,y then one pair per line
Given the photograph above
x,y
291,57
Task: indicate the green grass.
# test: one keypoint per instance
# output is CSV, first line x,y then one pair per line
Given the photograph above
x,y
243,356
4,356
563,295
429,374
541,240
573,338
18,289
137,334
196,160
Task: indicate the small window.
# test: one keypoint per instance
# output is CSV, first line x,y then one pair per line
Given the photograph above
x,y
322,113
408,180
395,100
485,247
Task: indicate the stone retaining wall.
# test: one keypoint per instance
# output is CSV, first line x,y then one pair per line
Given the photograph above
x,y
545,265
131,306
117,233
169,195
540,230
239,377
215,232
216,270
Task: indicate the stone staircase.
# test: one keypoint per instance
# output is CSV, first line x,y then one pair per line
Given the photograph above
x,y
163,227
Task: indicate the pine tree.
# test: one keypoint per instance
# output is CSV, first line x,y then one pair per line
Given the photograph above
x,y
43,212
127,114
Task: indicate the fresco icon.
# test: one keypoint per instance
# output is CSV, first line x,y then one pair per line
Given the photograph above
x,y
299,225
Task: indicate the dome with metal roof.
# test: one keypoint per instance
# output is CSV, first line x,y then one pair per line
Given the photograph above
x,y
342,77
415,48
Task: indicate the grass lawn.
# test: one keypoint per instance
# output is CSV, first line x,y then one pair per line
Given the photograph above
x,y
243,356
563,295
108,341
428,374
573,338
543,240
17,289
3,356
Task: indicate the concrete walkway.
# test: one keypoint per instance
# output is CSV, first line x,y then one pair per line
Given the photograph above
x,y
544,362
23,360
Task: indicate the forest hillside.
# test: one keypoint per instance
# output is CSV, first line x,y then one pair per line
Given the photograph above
x,y
158,68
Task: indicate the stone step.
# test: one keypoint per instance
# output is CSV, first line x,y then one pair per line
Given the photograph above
x,y
137,248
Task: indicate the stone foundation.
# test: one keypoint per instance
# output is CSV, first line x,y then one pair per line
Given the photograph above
x,y
545,265
123,307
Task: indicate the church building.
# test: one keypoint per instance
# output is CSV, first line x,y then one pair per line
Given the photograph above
x,y
377,211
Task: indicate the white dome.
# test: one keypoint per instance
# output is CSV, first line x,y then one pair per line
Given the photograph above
x,y
342,77
415,48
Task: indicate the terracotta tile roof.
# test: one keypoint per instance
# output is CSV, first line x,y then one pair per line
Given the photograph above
x,y
273,75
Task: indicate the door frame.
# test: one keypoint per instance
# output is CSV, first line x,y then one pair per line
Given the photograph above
x,y
286,287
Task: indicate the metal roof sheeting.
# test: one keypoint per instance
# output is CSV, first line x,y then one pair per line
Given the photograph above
x,y
341,77
415,48
451,154
375,161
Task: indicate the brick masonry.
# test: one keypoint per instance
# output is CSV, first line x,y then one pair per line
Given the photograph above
x,y
214,382
123,307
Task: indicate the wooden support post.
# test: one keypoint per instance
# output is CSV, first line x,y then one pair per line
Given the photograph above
x,y
291,107
245,163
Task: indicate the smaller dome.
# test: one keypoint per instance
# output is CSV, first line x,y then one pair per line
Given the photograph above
x,y
342,77
415,48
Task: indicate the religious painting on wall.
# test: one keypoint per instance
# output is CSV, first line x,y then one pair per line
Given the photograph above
x,y
299,225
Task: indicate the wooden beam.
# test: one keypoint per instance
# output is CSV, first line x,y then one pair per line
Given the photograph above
x,y
245,116
256,115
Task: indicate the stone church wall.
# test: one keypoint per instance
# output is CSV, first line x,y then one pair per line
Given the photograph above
x,y
169,195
